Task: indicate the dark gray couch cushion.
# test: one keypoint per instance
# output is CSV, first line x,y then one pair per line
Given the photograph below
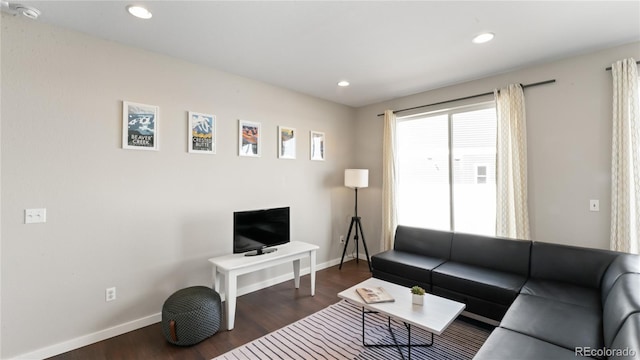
x,y
556,322
507,344
565,292
570,264
623,264
482,307
400,280
492,285
412,266
500,254
623,301
433,243
628,338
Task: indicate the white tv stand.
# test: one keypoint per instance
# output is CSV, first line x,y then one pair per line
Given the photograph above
x,y
230,266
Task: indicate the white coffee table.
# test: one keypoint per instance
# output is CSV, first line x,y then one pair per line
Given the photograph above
x,y
435,315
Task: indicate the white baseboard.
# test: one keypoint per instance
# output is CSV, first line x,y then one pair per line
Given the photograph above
x,y
65,346
88,339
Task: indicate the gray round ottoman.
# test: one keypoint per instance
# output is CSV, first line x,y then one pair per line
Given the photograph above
x,y
191,315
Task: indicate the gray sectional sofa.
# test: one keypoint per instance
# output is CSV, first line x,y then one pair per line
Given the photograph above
x,y
551,301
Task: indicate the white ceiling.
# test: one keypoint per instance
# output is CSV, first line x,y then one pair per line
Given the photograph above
x,y
386,49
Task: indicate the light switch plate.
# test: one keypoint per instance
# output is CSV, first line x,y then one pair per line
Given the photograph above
x,y
594,205
35,216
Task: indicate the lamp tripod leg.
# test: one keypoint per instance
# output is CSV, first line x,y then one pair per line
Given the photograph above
x,y
355,240
359,233
344,251
364,242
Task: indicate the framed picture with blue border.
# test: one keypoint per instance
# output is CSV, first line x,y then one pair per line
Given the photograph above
x,y
140,126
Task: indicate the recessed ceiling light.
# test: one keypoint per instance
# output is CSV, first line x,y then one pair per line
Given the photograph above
x,y
28,11
343,83
139,12
483,38
19,9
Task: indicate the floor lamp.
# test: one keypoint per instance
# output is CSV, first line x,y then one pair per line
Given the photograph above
x,y
356,179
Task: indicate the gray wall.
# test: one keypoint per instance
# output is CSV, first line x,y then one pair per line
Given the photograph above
x,y
143,221
146,222
569,145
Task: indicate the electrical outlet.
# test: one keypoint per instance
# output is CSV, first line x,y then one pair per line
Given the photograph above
x,y
342,239
110,294
35,216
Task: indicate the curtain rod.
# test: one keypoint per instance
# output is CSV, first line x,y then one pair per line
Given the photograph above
x,y
468,97
609,68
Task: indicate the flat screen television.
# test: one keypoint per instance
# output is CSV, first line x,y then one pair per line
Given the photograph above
x,y
256,231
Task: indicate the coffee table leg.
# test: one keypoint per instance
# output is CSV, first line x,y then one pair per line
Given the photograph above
x,y
408,339
409,345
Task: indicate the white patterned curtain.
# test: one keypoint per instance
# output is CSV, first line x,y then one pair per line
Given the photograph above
x,y
512,216
389,182
625,162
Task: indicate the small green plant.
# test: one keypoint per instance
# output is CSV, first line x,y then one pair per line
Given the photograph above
x,y
417,290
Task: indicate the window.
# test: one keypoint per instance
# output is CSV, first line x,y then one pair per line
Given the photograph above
x,y
446,170
481,174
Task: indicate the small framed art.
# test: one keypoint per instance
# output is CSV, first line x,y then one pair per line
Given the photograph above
x,y
249,138
139,126
202,133
317,146
286,142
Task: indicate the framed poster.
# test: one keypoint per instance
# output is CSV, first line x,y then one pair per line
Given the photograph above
x,y
316,143
202,133
249,138
286,142
139,126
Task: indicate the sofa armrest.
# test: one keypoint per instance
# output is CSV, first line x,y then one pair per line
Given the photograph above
x,y
622,302
623,264
627,341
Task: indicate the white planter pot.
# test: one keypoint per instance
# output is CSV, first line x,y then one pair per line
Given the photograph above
x,y
417,299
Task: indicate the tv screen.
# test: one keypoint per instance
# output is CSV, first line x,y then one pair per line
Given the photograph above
x,y
256,230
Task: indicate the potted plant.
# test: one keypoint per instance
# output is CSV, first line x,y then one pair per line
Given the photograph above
x,y
417,295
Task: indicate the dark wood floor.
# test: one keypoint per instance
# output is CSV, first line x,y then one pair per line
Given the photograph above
x,y
257,314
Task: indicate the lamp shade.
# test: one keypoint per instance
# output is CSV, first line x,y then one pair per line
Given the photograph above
x,y
356,178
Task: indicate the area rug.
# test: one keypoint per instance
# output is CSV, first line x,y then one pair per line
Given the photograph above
x,y
336,333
